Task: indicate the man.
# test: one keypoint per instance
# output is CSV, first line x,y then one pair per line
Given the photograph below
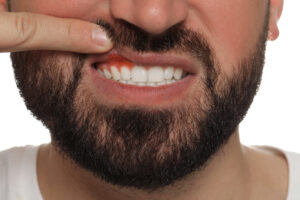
x,y
150,113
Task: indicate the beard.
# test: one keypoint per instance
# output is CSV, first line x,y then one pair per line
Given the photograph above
x,y
134,146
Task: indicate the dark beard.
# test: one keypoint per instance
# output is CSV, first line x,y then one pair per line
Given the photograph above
x,y
130,145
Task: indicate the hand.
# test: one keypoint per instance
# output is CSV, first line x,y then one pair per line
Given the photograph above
x,y
21,31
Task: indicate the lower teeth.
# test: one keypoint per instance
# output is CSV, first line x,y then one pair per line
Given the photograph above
x,y
151,84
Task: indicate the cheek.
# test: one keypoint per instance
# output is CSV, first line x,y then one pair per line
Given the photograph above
x,y
232,27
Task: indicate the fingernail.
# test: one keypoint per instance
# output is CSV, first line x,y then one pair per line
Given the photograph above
x,y
100,37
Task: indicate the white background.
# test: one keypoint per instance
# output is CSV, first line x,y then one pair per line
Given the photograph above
x,y
273,118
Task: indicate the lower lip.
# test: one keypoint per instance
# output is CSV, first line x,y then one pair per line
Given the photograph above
x,y
117,93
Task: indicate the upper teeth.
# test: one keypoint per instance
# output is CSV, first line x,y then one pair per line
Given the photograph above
x,y
140,75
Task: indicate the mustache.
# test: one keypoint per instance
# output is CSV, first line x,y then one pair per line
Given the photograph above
x,y
177,38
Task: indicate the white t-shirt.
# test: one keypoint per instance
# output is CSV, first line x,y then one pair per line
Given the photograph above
x,y
18,178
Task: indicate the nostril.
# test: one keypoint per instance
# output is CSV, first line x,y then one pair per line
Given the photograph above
x,y
153,16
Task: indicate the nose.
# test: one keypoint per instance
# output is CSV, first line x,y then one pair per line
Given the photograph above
x,y
153,16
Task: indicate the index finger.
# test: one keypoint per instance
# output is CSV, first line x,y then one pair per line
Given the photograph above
x,y
22,31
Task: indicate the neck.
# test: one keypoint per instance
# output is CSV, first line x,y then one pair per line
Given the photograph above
x,y
225,177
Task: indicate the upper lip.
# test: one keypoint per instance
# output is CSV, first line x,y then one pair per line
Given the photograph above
x,y
186,63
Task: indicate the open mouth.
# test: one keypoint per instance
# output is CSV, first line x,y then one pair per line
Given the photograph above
x,y
123,71
141,80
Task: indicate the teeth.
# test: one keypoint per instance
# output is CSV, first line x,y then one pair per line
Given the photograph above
x,y
100,72
151,84
141,83
162,82
125,73
155,74
115,73
169,71
139,74
178,74
107,74
130,82
169,81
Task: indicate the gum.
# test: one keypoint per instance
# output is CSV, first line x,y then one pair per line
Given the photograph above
x,y
118,62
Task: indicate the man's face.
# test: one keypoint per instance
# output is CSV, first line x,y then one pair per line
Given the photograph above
x,y
155,142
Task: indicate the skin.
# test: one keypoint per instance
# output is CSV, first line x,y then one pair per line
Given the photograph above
x,y
232,28
29,31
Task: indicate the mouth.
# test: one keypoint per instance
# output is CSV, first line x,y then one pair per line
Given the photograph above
x,y
148,79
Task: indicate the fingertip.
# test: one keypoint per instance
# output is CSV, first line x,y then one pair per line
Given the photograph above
x,y
101,39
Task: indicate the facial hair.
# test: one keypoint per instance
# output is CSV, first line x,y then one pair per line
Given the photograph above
x,y
131,146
